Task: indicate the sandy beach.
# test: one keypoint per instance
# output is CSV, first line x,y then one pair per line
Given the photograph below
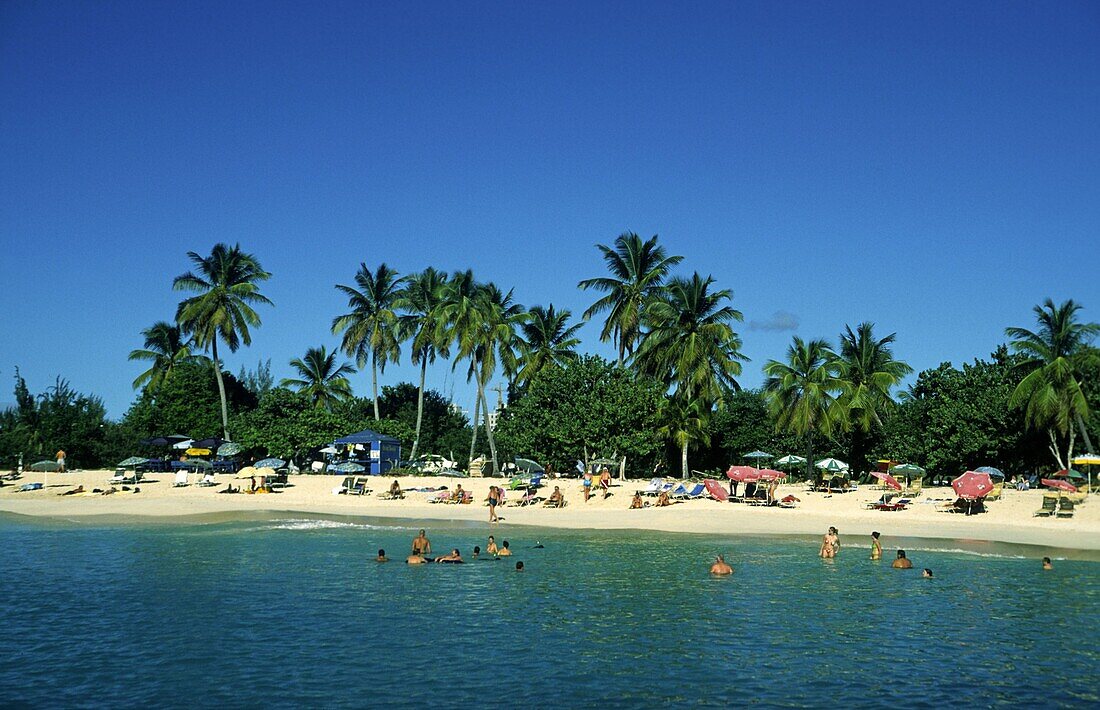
x,y
1008,520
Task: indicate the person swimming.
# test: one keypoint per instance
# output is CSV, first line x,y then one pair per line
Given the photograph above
x,y
519,566
902,562
1047,564
491,547
381,556
415,559
876,547
477,551
720,567
538,545
504,551
455,558
926,573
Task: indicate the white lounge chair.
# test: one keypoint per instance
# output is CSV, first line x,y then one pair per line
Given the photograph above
x,y
207,480
181,479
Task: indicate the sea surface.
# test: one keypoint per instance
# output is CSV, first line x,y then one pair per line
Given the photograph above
x,y
288,611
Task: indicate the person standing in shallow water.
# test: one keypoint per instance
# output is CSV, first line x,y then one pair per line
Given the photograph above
x,y
876,547
902,562
830,544
1047,563
720,567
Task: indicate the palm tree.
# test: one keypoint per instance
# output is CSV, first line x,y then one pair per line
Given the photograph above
x,y
227,284
692,347
422,302
321,378
460,323
684,421
638,270
370,330
165,347
801,392
1050,392
867,371
547,340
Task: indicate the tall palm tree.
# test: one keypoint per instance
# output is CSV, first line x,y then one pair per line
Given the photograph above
x,y
638,270
422,301
370,330
547,339
692,347
493,344
165,347
801,392
227,286
1050,392
683,421
321,378
867,372
461,324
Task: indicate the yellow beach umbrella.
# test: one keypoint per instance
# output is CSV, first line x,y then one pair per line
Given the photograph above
x,y
247,472
1087,460
198,452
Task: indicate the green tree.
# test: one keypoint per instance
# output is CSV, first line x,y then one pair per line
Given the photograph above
x,y
638,271
692,347
165,347
587,407
462,324
227,284
187,403
259,380
59,418
423,323
546,340
494,343
370,329
801,392
443,430
867,372
320,377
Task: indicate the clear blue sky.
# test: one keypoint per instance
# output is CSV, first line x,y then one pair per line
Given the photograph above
x,y
931,167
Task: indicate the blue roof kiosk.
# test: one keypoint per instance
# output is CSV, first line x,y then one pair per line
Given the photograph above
x,y
382,452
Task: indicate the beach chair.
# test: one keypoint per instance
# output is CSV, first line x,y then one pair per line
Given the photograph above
x,y
1065,508
279,480
653,488
679,492
1050,505
443,496
181,479
696,491
353,486
207,481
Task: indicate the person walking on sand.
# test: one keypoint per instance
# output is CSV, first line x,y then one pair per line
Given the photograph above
x,y
61,460
605,482
876,547
587,485
830,544
422,545
720,567
902,562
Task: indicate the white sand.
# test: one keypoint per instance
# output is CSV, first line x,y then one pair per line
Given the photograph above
x,y
1007,520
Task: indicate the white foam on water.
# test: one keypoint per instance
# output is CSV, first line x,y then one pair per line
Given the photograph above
x,y
973,553
321,524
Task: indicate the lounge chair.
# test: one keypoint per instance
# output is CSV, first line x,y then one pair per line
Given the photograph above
x,y
1050,505
1065,508
653,488
279,480
914,488
899,504
443,496
696,491
352,485
207,481
181,479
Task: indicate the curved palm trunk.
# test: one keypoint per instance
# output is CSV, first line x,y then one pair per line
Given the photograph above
x,y
419,408
684,457
221,389
1084,433
374,384
488,427
477,413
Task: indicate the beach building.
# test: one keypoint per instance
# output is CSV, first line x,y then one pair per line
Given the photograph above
x,y
377,452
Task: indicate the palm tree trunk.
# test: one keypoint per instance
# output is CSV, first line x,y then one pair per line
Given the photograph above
x,y
477,413
374,384
810,458
419,407
221,388
1084,433
1054,449
489,429
684,458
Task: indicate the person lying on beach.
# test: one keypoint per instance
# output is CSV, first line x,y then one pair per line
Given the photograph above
x,y
556,499
720,567
230,489
1047,563
454,558
381,556
902,562
876,547
637,502
415,560
73,492
504,551
830,544
422,545
663,500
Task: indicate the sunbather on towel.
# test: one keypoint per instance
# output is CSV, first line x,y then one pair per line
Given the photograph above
x,y
637,503
395,490
662,499
73,492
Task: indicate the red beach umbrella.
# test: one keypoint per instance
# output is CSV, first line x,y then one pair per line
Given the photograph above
x,y
1061,485
972,485
739,473
717,492
887,479
768,474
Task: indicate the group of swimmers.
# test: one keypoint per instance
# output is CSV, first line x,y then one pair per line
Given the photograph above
x,y
422,552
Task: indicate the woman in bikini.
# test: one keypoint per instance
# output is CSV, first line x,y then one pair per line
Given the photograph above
x,y
494,498
830,544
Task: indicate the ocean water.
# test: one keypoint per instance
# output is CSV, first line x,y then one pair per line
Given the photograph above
x,y
291,611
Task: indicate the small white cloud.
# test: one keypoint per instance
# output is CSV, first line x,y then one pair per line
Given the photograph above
x,y
780,321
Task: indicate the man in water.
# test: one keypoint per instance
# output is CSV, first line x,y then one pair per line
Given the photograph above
x,y
1047,563
422,545
415,559
926,573
519,566
720,567
902,562
477,551
504,551
381,556
876,547
454,558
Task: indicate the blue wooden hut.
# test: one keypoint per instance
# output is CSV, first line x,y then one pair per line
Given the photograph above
x,y
377,452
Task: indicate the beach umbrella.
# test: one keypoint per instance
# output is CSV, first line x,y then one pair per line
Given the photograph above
x,y
132,462
738,473
1060,485
887,480
758,455
246,472
265,471
833,465
185,444
270,462
1086,460
211,443
345,467
993,472
195,451
230,449
972,485
907,469
529,466
790,460
1067,473
716,491
199,465
44,466
767,474
329,450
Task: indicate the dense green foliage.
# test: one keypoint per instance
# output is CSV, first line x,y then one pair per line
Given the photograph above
x,y
443,431
588,406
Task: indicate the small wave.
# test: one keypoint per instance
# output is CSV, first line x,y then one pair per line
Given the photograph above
x,y
972,553
321,524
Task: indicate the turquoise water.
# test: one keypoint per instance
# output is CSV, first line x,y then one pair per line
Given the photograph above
x,y
291,611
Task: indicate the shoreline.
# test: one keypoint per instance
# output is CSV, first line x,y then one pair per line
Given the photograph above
x,y
1008,520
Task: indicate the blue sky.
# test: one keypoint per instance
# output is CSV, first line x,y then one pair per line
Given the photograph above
x,y
931,167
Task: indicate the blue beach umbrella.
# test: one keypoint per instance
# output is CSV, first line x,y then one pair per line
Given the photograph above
x,y
270,463
346,467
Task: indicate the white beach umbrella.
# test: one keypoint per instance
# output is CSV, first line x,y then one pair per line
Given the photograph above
x,y
832,465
